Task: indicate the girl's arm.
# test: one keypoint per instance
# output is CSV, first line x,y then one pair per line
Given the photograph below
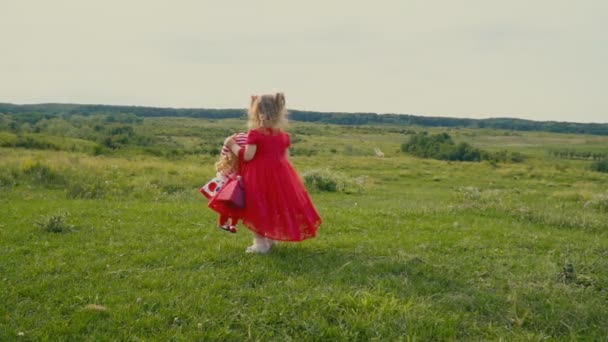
x,y
249,151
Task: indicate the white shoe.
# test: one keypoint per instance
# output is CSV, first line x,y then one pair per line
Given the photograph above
x,y
270,243
258,249
260,245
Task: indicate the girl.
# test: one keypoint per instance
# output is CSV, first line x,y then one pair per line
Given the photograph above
x,y
226,167
277,206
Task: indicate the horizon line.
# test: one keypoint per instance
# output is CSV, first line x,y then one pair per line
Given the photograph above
x,y
301,110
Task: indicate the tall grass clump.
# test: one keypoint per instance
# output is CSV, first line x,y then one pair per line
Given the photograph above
x,y
331,181
8,177
599,202
85,190
40,174
53,223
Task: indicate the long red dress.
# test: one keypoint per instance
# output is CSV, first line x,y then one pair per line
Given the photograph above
x,y
277,205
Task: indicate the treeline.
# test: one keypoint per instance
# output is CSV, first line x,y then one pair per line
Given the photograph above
x,y
309,116
57,109
442,147
573,154
429,121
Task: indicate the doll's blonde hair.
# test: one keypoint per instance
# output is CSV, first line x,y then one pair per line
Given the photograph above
x,y
267,111
227,164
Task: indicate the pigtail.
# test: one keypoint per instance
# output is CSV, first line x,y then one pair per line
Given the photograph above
x,y
279,99
252,114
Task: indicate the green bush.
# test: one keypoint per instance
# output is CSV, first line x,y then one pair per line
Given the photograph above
x,y
442,147
600,165
321,180
98,150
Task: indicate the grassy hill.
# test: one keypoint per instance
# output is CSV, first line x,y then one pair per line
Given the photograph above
x,y
110,240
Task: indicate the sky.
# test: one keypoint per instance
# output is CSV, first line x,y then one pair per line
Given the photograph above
x,y
530,59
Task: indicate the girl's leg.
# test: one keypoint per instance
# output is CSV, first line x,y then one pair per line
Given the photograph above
x,y
223,224
260,245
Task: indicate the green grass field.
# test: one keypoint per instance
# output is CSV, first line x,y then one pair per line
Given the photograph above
x,y
121,246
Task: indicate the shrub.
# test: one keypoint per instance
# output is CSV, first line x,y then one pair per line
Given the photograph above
x,y
321,180
98,150
442,147
517,157
600,165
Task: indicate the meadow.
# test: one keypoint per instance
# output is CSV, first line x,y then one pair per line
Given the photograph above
x,y
102,241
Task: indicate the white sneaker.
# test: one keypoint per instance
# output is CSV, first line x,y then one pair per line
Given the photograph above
x,y
260,245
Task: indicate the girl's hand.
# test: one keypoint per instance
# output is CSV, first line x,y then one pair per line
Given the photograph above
x,y
229,141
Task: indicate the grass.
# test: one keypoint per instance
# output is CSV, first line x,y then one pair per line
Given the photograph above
x,y
426,250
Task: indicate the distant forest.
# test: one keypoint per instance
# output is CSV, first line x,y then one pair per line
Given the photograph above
x,y
34,112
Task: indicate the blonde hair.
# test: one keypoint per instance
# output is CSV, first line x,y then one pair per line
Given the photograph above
x,y
267,111
227,164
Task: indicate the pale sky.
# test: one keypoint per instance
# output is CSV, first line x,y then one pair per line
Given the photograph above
x,y
532,59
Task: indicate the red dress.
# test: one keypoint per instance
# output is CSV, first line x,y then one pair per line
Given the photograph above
x,y
277,205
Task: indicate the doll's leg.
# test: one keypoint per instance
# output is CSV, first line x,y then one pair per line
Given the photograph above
x,y
223,224
233,222
222,220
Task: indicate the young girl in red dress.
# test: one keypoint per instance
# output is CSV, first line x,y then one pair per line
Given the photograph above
x,y
277,206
